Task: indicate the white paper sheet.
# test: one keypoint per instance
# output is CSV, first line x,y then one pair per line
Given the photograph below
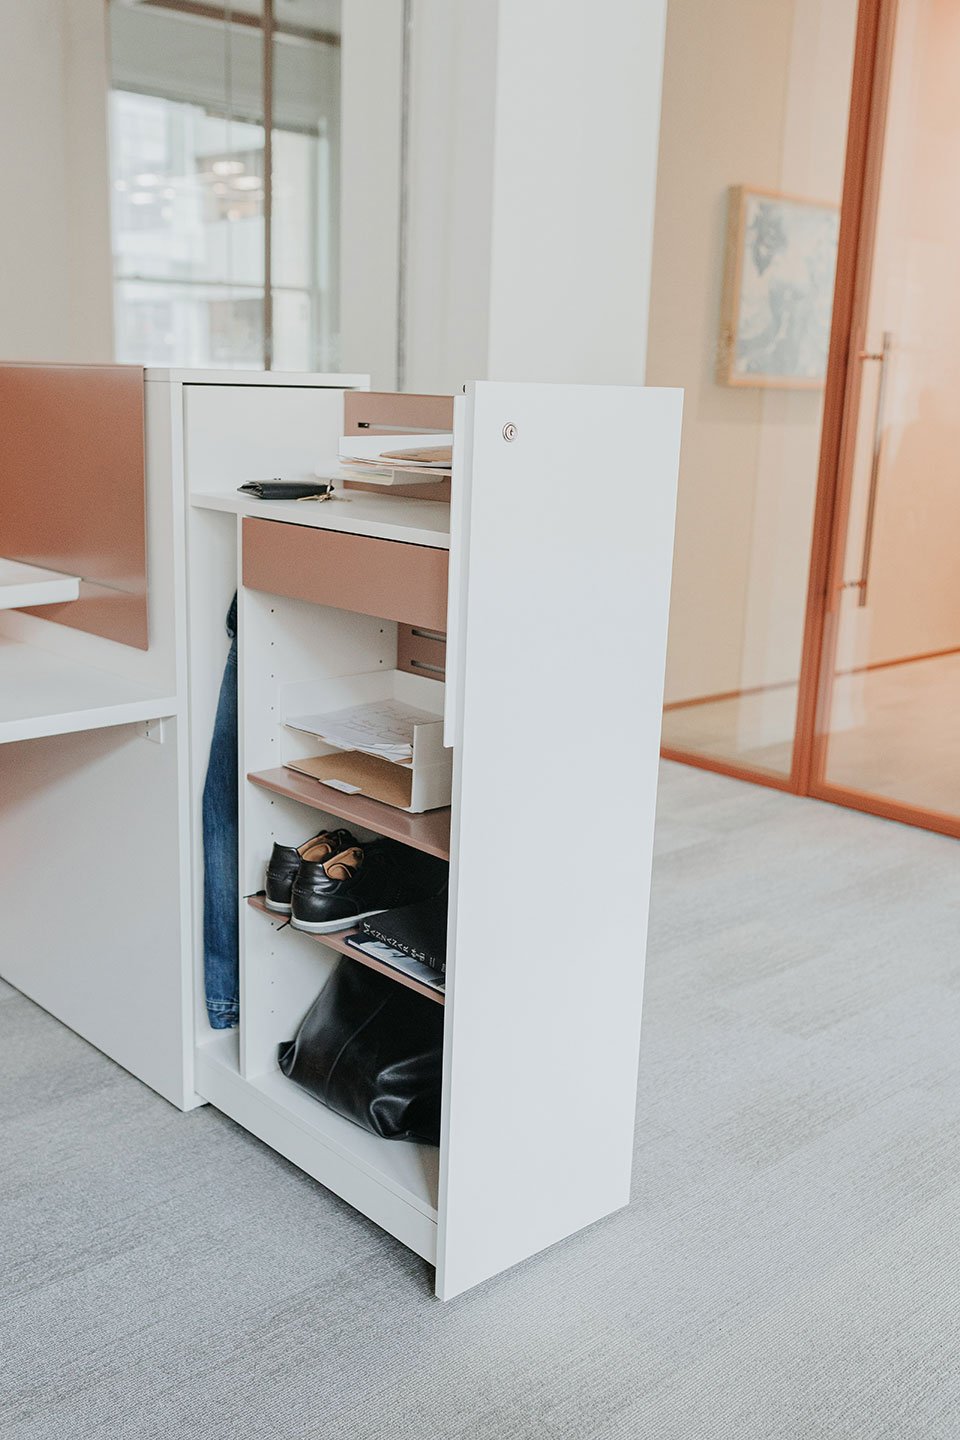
x,y
383,728
369,449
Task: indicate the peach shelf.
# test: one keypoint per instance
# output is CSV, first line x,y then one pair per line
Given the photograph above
x,y
337,941
429,832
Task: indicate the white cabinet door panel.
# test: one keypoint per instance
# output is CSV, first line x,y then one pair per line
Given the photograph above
x,y
565,537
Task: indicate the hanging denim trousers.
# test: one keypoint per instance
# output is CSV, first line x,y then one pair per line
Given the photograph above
x,y
221,889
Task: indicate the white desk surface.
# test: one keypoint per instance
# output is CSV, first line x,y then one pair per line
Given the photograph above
x,y
417,522
297,379
22,584
43,694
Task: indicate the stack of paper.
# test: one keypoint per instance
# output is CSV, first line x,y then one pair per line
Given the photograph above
x,y
384,728
398,452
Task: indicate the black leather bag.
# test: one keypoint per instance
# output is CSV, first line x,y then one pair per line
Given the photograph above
x,y
372,1051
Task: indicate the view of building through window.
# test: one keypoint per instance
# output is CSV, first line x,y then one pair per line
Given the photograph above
x,y
188,144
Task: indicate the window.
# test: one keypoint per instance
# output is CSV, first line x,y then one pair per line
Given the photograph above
x,y
190,205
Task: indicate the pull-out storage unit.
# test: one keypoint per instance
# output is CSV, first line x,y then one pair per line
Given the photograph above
x,y
541,596
533,586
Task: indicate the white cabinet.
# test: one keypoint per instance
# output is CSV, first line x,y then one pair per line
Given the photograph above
x,y
548,575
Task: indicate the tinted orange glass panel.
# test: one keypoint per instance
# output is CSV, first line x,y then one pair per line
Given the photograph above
x,y
890,677
72,488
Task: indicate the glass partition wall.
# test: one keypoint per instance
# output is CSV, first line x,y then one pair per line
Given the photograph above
x,y
224,125
887,735
753,140
805,295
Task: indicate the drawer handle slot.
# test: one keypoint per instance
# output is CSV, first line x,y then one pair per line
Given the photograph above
x,y
421,651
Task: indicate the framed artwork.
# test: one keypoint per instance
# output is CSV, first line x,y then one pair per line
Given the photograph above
x,y
778,289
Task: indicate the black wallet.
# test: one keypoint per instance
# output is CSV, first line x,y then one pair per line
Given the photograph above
x,y
287,489
419,931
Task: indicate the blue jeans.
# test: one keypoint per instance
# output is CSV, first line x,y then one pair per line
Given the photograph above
x,y
221,885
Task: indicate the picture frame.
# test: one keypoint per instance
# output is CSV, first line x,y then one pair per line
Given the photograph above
x,y
781,255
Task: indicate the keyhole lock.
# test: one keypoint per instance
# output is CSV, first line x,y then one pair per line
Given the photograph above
x,y
509,431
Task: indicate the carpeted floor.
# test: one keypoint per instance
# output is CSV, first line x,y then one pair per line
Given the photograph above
x,y
789,1266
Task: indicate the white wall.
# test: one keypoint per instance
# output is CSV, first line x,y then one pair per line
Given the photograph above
x,y
55,268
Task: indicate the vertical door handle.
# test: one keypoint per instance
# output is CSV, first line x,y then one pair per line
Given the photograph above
x,y
882,356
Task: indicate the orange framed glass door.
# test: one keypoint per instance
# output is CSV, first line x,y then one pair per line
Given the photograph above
x,y
755,115
885,718
815,622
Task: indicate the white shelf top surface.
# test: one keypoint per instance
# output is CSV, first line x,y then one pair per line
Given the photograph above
x,y
385,517
43,694
383,475
22,584
258,377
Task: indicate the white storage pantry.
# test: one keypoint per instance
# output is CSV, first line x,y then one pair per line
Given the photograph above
x,y
539,591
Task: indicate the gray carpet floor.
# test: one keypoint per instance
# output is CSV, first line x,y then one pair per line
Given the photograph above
x,y
789,1266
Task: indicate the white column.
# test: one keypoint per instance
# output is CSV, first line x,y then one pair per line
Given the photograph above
x,y
370,83
534,138
55,268
450,192
577,134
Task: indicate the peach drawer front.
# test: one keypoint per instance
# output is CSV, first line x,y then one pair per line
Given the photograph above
x,y
386,578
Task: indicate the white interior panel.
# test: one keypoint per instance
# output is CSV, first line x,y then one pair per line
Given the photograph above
x,y
292,642
211,582
284,972
240,433
285,643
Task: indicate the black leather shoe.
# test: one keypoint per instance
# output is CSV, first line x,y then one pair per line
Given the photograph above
x,y
285,861
362,880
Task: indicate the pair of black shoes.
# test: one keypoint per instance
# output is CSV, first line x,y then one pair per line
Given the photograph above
x,y
333,880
